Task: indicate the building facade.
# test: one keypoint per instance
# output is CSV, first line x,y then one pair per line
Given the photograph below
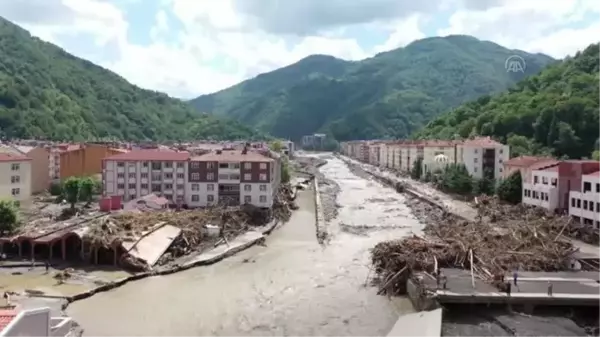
x,y
79,159
543,190
231,177
484,155
15,177
585,204
40,158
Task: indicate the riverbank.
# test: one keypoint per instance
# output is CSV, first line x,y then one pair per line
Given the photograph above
x,y
430,207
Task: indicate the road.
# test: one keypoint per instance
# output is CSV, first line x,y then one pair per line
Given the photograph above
x,y
294,286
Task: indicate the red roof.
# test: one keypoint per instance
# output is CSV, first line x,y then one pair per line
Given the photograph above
x,y
481,141
526,161
234,156
151,154
7,157
594,174
550,169
6,316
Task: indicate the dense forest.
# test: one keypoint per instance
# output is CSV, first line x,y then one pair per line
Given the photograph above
x,y
390,95
48,93
555,112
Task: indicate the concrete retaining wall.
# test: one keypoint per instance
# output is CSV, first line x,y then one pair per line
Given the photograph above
x,y
319,217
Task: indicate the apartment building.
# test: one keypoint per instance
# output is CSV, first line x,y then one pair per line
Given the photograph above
x,y
15,176
221,176
481,155
437,154
585,203
543,190
72,160
39,163
525,165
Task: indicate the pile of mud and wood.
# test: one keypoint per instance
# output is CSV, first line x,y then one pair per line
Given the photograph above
x,y
112,231
505,237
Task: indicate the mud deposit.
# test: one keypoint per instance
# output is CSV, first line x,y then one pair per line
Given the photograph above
x,y
293,286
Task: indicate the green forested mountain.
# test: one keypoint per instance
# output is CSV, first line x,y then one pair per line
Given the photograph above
x,y
390,95
46,92
554,112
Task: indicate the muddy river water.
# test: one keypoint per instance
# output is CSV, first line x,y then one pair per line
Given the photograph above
x,y
294,286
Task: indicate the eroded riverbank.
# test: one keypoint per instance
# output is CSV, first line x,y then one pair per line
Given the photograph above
x,y
294,286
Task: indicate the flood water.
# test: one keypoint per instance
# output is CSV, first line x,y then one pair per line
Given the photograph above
x,y
294,286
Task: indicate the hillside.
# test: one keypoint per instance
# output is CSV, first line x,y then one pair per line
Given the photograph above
x,y
553,112
47,93
389,95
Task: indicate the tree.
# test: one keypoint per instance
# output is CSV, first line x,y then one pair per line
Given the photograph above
x,y
511,188
276,146
417,170
285,170
9,218
55,189
71,189
596,155
456,179
86,189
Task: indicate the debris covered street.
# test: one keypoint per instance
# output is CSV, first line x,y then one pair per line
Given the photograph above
x,y
293,286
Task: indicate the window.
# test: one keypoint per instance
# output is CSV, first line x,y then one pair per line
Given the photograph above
x,y
585,204
476,151
248,166
210,165
573,202
500,151
247,176
535,179
168,164
195,164
234,177
120,175
144,186
553,181
131,165
144,175
475,160
133,196
474,169
131,175
156,176
210,176
195,176
263,166
15,179
180,186
597,188
223,165
223,176
132,186
180,175
156,188
169,197
120,164
168,175
195,187
247,187
598,207
168,186
121,186
210,198
578,203
500,169
545,180
156,165
145,164
263,198
587,186
235,166
263,187
179,165
195,197
247,199
15,191
210,187
262,177
500,161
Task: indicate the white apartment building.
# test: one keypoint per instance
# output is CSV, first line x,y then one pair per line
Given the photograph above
x,y
15,177
585,204
543,190
223,176
438,154
482,154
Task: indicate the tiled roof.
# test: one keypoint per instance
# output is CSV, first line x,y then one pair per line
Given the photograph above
x,y
526,161
594,174
6,316
553,168
481,141
543,164
234,156
149,155
8,157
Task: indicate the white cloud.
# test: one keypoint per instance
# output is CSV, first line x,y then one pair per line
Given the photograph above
x,y
219,43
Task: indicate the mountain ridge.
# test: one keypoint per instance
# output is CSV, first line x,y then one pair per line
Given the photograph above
x,y
389,95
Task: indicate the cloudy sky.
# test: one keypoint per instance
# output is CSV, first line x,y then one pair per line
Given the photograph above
x,y
191,47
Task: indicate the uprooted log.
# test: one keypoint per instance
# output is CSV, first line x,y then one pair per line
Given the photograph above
x,y
519,237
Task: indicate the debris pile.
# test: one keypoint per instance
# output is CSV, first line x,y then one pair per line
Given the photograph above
x,y
506,237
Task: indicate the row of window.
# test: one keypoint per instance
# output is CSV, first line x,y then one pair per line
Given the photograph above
x,y
15,192
536,195
587,187
536,180
155,176
195,164
195,187
15,179
587,205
